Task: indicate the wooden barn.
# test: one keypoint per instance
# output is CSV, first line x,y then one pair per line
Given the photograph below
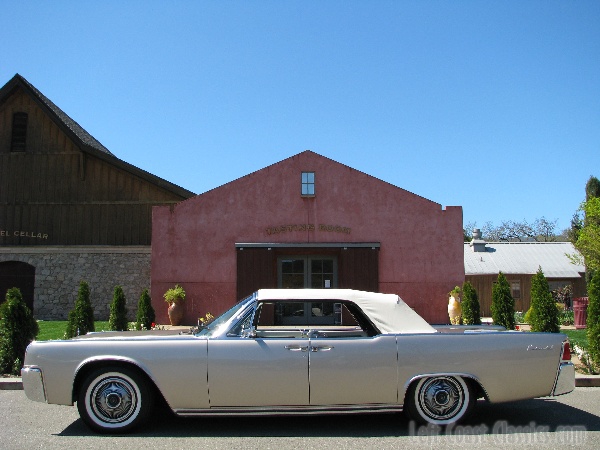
x,y
69,207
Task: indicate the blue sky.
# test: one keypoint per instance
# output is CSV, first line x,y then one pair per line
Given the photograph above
x,y
493,106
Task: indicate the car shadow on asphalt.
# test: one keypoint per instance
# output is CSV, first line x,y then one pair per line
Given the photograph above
x,y
527,416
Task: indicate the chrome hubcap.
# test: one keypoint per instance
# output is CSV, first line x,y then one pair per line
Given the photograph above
x,y
441,398
113,400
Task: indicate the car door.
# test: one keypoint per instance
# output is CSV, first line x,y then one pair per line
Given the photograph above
x,y
269,368
350,363
258,372
353,370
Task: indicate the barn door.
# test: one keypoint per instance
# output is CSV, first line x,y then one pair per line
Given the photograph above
x,y
17,274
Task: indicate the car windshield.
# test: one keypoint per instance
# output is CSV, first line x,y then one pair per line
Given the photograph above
x,y
215,327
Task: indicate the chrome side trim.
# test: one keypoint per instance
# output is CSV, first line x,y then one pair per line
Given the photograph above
x,y
565,379
33,384
290,410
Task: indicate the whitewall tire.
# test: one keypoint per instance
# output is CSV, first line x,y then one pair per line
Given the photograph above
x,y
114,399
440,400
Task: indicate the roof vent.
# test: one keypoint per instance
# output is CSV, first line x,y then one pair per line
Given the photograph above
x,y
477,243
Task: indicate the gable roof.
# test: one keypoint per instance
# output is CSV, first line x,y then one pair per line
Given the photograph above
x,y
523,258
74,129
312,157
84,140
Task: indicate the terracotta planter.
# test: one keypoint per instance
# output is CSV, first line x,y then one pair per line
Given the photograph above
x,y
454,310
175,311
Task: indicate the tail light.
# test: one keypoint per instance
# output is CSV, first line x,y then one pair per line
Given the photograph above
x,y
566,352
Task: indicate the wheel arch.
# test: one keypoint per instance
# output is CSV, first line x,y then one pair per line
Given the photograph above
x,y
472,380
88,366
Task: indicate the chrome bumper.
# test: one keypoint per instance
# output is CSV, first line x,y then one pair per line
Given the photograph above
x,y
33,384
565,379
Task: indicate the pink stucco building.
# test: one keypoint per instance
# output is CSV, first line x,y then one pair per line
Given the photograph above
x,y
307,221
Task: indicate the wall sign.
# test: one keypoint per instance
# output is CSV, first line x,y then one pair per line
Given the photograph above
x,y
308,227
29,234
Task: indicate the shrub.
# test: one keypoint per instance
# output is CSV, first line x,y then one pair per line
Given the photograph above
x,y
145,312
81,318
174,295
566,317
17,329
519,317
117,321
544,314
503,305
470,305
593,319
563,295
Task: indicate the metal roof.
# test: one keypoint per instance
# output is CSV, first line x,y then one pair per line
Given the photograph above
x,y
523,258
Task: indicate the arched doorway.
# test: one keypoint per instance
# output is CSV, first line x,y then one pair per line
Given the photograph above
x,y
17,274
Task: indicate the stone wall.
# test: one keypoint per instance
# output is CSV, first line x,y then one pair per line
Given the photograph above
x,y
59,270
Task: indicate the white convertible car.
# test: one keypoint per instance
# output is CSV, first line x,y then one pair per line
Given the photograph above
x,y
312,351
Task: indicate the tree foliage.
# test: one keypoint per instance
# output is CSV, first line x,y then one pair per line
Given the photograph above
x,y
543,314
17,329
145,312
81,318
471,313
503,305
117,321
541,230
576,226
593,319
592,188
588,240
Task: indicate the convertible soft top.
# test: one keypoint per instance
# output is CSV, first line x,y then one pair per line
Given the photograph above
x,y
388,312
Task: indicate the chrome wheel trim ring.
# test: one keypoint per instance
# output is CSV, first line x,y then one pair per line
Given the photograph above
x,y
113,400
442,400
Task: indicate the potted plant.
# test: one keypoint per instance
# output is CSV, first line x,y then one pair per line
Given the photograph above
x,y
174,297
454,308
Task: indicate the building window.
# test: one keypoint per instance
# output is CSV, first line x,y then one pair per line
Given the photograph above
x,y
308,183
317,272
515,289
19,132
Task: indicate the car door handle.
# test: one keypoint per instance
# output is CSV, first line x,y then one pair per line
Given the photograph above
x,y
296,348
322,348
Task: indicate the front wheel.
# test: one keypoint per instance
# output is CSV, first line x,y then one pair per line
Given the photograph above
x,y
114,399
440,400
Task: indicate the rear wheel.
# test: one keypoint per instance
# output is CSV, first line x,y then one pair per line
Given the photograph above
x,y
114,399
440,400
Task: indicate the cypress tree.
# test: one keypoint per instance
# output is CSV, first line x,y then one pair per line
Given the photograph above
x,y
544,313
81,318
503,305
145,312
592,188
592,191
17,329
117,320
470,305
593,319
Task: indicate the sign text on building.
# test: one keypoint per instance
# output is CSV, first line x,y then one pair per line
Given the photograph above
x,y
308,227
29,234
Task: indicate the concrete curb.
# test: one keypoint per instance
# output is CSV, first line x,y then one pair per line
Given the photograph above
x,y
11,384
582,380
